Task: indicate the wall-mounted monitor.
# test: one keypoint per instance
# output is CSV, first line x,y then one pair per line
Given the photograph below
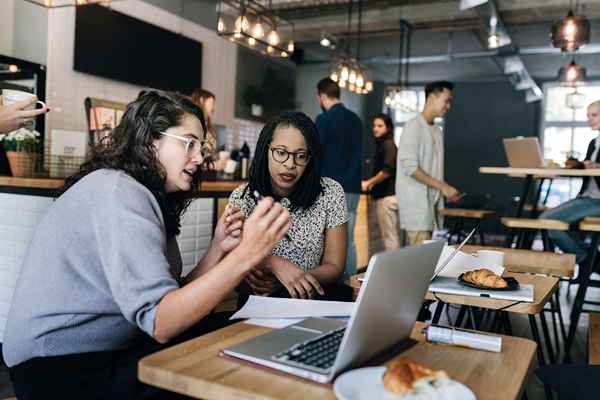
x,y
116,46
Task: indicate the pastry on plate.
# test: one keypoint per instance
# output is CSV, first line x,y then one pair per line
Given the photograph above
x,y
404,376
485,278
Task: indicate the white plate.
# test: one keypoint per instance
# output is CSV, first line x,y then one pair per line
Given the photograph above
x,y
367,384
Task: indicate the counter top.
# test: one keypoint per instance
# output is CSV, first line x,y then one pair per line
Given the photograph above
x,y
36,186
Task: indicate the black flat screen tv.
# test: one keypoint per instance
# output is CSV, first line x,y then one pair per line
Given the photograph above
x,y
117,46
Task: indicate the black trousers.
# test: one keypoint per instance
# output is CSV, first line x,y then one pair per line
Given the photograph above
x,y
99,375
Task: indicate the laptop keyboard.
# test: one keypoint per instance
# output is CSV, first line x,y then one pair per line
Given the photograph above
x,y
318,352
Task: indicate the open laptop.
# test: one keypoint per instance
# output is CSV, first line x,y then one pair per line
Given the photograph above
x,y
386,310
524,152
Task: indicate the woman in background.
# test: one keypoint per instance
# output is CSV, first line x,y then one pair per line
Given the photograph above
x,y
310,260
206,101
382,184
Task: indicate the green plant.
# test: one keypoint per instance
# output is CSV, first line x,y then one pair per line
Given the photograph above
x,y
22,140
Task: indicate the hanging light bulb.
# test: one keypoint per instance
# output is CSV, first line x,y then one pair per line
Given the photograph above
x,y
575,100
360,80
290,46
344,73
493,41
220,24
351,87
352,76
258,31
251,41
269,49
571,32
325,42
334,76
387,101
369,85
273,38
571,74
284,54
342,84
241,24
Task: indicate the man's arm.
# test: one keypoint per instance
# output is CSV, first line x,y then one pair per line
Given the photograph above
x,y
448,191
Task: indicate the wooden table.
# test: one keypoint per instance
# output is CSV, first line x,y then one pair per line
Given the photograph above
x,y
194,368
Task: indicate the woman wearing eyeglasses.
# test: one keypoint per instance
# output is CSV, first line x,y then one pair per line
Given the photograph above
x,y
101,283
309,261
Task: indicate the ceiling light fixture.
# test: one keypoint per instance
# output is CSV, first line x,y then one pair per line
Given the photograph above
x,y
572,74
397,95
570,32
253,25
67,3
575,99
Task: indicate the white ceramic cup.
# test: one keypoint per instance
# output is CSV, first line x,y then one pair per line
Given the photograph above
x,y
230,166
11,96
491,257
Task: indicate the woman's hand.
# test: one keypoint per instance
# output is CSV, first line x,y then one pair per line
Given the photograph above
x,y
228,232
261,281
299,283
15,116
264,227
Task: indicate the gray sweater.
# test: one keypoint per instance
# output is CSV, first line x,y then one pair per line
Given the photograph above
x,y
96,268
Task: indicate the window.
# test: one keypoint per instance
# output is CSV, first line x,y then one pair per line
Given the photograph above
x,y
565,132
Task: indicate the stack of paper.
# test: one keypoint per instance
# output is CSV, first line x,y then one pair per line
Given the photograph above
x,y
277,313
462,262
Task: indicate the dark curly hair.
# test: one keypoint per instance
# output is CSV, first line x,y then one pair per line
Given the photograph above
x,y
129,148
308,188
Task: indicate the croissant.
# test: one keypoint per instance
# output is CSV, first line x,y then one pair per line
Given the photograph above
x,y
403,376
486,278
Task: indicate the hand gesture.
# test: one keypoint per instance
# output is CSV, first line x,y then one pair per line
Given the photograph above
x,y
228,232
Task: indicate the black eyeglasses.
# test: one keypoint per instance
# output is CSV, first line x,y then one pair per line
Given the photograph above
x,y
301,158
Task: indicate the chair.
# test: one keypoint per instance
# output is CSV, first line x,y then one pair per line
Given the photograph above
x,y
462,214
594,339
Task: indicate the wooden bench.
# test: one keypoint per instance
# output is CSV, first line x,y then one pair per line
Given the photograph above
x,y
594,339
523,225
460,214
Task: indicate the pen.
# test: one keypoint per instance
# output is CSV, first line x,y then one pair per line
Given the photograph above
x,y
258,197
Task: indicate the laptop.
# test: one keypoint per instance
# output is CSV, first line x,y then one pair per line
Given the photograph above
x,y
386,310
524,152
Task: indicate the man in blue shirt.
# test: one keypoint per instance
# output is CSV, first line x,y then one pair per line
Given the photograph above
x,y
340,132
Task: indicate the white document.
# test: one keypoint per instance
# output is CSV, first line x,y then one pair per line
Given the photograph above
x,y
68,143
462,262
271,307
276,323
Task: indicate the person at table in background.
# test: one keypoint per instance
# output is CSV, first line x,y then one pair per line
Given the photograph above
x,y
587,202
310,261
340,132
206,101
101,284
15,116
420,184
382,184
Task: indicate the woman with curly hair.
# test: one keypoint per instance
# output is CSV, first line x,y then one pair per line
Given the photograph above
x,y
309,261
100,285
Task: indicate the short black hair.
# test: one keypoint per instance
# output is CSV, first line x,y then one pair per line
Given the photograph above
x,y
386,120
329,87
308,188
437,87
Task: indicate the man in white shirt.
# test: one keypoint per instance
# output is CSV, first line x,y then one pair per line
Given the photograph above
x,y
420,184
587,202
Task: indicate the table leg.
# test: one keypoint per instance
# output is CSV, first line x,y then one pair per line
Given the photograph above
x,y
536,337
520,206
438,312
547,338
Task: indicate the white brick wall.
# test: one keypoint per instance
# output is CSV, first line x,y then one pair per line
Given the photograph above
x,y
19,214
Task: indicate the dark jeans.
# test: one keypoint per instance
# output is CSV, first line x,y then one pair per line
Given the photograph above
x,y
99,375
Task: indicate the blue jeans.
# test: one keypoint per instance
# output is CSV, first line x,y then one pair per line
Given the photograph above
x,y
571,212
351,205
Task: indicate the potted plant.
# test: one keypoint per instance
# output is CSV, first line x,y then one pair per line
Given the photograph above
x,y
20,146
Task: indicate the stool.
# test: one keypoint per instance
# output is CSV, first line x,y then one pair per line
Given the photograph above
x,y
594,339
460,214
523,225
591,225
